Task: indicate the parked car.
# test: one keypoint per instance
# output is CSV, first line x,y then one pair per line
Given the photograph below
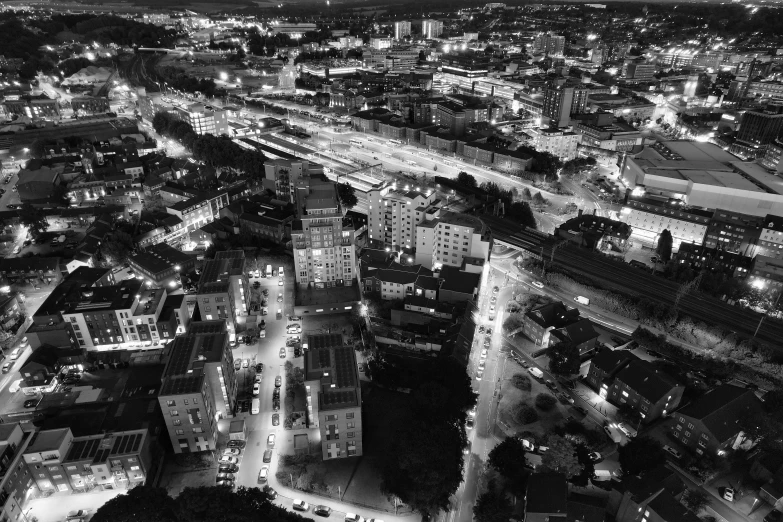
x,y
270,440
236,444
79,513
581,410
237,364
225,483
280,297
300,505
267,456
275,419
256,389
673,452
271,492
323,511
263,475
278,381
227,459
225,476
537,284
228,468
495,290
595,456
353,517
259,367
7,367
728,494
232,452
282,353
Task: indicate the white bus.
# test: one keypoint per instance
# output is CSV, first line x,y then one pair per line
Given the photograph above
x,y
395,142
356,143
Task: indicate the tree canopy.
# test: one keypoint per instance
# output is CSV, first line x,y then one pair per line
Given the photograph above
x,y
508,458
33,218
564,358
203,504
424,466
466,180
561,457
640,454
575,168
493,505
664,248
347,195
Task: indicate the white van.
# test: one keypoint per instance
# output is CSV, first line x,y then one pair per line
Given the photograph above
x,y
15,354
255,406
535,372
280,272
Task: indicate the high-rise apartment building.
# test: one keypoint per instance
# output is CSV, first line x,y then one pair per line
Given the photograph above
x,y
334,396
394,213
199,386
121,316
402,29
431,28
324,252
223,290
16,480
560,102
757,130
284,173
452,239
204,120
549,43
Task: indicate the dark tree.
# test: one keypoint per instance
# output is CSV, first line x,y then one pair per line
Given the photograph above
x,y
695,500
539,200
664,248
34,218
466,180
492,505
347,195
564,358
588,469
140,504
508,457
521,212
640,454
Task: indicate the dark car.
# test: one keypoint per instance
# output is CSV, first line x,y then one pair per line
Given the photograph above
x,y
581,410
276,419
268,456
31,403
260,368
297,352
271,492
236,444
276,405
323,511
228,468
774,516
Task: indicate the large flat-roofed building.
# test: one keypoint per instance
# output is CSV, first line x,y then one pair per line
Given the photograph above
x,y
703,176
334,396
464,69
199,386
204,120
223,291
162,264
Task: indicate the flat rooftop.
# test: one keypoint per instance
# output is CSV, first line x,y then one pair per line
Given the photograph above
x,y
217,272
331,363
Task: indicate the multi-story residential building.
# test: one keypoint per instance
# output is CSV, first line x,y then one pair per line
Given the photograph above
x,y
713,423
204,120
549,43
399,281
223,289
623,379
281,175
392,58
639,72
537,324
560,143
334,396
199,210
60,462
732,264
323,241
580,334
199,386
766,273
771,237
652,496
431,28
16,479
402,29
452,239
757,130
560,101
162,264
11,311
734,232
394,213
773,156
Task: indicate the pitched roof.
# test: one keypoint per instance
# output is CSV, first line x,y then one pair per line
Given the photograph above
x,y
721,408
670,510
647,380
578,332
554,314
458,281
584,508
611,361
547,493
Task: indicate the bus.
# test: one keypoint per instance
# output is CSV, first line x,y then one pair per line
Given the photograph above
x,y
356,143
396,142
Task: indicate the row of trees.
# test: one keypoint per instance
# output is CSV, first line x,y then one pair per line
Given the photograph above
x,y
515,205
203,504
219,152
